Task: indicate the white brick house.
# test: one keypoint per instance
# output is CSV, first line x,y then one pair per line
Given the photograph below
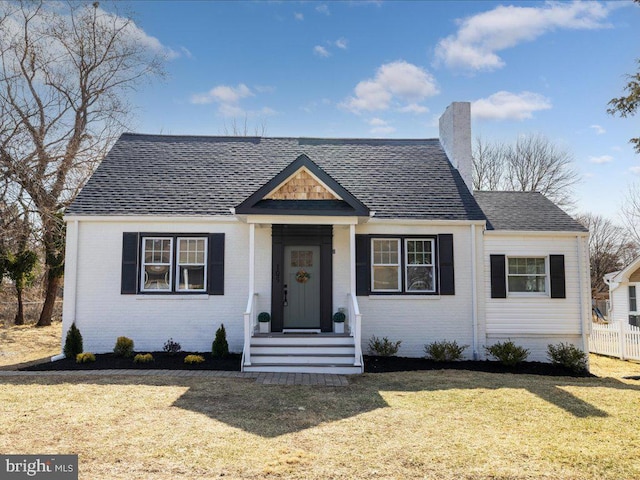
x,y
174,235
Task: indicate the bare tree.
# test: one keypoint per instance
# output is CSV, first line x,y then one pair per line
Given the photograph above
x,y
65,71
237,129
532,164
489,165
630,212
608,250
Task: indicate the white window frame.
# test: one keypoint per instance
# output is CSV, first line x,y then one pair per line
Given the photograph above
x,y
178,265
398,265
144,264
547,289
431,265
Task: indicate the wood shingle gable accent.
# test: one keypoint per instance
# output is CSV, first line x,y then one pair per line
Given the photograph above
x,y
297,194
302,185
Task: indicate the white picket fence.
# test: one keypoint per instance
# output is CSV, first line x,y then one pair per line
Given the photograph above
x,y
616,340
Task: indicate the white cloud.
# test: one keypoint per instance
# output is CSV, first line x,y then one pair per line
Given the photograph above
x,y
402,81
264,88
509,106
601,159
321,51
223,94
323,8
186,52
383,130
598,129
413,108
377,122
635,170
478,39
298,16
342,43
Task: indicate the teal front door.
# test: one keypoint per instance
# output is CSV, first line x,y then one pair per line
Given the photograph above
x,y
302,287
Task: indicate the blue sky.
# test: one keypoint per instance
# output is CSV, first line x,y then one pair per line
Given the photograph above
x,y
388,69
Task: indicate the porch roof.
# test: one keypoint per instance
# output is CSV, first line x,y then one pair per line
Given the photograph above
x,y
188,175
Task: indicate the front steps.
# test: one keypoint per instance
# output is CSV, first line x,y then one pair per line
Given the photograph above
x,y
304,353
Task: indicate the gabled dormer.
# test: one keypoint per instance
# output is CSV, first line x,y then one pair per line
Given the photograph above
x,y
302,188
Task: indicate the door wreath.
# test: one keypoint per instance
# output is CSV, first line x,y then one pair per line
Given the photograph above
x,y
302,276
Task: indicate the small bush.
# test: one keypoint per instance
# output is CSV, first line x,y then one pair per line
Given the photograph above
x,y
143,358
508,353
124,347
171,347
568,356
264,317
444,351
85,357
192,359
220,347
384,347
73,342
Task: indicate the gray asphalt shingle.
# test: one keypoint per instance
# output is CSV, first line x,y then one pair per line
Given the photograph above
x,y
186,175
529,211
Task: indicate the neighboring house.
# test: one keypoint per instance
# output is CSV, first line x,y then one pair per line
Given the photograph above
x,y
174,235
624,288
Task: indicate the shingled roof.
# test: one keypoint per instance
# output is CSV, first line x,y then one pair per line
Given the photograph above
x,y
528,211
188,175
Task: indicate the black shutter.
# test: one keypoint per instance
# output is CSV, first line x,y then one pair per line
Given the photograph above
x,y
498,277
363,264
215,280
556,271
129,279
445,257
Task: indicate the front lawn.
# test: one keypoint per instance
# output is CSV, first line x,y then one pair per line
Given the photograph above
x,y
435,424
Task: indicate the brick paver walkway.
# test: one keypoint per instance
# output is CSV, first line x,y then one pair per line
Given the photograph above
x,y
279,378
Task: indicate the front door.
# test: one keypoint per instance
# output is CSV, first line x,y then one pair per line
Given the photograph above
x,y
302,287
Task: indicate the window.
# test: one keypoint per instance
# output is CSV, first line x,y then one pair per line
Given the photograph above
x,y
192,265
633,302
159,265
527,275
156,264
385,265
403,265
419,265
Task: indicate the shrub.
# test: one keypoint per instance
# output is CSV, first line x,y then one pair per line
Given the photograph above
x,y
73,342
264,317
192,359
124,347
220,347
85,357
384,347
171,347
508,353
143,358
568,356
444,351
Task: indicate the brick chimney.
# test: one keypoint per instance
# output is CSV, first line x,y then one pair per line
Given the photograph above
x,y
455,138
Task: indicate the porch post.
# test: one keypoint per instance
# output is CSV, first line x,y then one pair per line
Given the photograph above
x,y
352,258
252,257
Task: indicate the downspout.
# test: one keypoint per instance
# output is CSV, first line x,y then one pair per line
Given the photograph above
x,y
72,285
583,311
474,301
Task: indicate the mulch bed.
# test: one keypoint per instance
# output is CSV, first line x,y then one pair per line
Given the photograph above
x,y
403,364
372,364
161,360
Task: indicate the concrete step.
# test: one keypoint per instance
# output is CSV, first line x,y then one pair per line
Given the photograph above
x,y
296,339
279,349
325,368
302,359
